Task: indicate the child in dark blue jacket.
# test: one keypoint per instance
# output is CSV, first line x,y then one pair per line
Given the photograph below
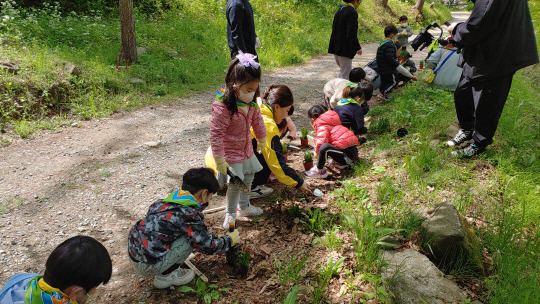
x,y
387,61
353,106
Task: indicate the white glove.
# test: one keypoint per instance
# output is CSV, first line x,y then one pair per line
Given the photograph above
x,y
257,43
222,167
261,144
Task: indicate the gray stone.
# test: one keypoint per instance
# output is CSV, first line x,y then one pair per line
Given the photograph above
x,y
434,143
451,131
389,242
72,69
448,236
152,144
413,279
9,66
141,50
136,81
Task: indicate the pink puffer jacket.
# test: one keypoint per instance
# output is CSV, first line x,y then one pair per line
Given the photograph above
x,y
230,136
328,129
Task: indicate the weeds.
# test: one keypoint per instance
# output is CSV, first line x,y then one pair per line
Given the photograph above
x,y
367,233
316,221
288,269
207,293
320,286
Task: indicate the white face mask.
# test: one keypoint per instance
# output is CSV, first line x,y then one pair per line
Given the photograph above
x,y
245,97
404,24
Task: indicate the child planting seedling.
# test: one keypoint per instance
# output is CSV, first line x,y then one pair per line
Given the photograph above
x,y
303,138
308,160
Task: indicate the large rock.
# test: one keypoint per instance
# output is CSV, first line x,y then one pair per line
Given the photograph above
x,y
72,69
451,241
9,66
414,279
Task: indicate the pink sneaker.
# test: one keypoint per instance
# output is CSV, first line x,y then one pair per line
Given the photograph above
x,y
316,173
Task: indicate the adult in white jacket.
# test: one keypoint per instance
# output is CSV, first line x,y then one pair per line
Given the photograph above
x,y
448,74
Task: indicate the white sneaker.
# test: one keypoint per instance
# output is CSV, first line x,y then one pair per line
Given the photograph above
x,y
250,211
229,218
260,192
180,276
338,165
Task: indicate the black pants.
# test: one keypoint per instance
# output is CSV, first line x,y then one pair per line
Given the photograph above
x,y
262,176
479,105
336,154
388,82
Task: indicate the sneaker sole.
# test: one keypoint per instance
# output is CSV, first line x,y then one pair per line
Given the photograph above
x,y
259,195
185,281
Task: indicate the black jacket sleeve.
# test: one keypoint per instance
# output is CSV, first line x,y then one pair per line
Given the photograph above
x,y
283,172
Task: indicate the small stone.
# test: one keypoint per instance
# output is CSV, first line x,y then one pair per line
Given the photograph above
x,y
59,212
152,144
72,69
136,81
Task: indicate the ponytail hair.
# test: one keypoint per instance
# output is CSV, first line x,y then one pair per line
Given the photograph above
x,y
352,92
278,94
239,74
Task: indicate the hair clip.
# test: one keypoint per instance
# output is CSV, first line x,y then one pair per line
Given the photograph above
x,y
247,59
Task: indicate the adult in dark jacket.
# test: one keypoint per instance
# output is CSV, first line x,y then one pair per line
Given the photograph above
x,y
241,27
344,39
497,40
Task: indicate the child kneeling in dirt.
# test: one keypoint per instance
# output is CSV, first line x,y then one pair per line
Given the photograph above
x,y
73,271
333,89
160,242
333,139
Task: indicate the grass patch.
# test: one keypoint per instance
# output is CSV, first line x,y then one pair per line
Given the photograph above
x,y
11,204
185,51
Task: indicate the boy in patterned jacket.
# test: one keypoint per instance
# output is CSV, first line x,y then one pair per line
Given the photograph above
x,y
160,242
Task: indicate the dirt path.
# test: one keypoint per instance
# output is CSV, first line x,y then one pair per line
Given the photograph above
x,y
99,178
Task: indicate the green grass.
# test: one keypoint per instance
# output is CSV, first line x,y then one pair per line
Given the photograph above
x,y
11,204
186,52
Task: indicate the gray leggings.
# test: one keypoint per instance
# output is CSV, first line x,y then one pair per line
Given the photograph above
x,y
237,197
178,252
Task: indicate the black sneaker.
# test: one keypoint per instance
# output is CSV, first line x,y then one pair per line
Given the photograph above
x,y
469,151
461,137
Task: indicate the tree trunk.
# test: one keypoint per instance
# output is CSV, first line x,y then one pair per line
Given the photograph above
x,y
127,25
419,5
384,3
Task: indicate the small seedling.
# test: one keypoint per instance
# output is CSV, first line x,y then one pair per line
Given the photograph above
x,y
308,157
294,211
285,148
304,133
243,259
243,263
207,293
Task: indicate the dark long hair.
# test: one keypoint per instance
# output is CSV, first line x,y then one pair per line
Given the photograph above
x,y
237,74
278,94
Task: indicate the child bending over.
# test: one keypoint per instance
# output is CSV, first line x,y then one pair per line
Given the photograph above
x,y
351,107
333,89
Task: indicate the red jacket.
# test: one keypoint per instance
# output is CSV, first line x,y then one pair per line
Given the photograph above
x,y
328,129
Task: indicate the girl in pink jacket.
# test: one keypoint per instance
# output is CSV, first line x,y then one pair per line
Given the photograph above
x,y
333,139
234,112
